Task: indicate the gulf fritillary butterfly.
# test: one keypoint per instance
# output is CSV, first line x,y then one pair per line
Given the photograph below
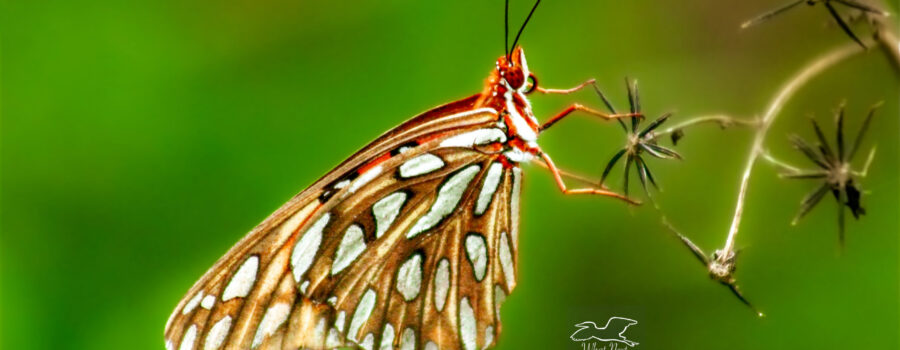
x,y
411,243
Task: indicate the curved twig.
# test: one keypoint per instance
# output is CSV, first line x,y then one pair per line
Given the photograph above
x,y
723,121
784,94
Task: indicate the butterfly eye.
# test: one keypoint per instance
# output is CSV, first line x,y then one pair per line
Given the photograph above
x,y
515,77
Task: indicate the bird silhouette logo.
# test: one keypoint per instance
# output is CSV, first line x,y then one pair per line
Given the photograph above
x,y
613,331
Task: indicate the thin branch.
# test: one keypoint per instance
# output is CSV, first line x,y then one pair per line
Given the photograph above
x,y
885,34
778,163
888,42
805,75
768,15
723,121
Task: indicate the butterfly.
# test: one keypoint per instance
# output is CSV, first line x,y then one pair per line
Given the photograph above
x,y
411,243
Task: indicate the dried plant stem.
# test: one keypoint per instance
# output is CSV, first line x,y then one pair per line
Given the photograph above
x,y
723,121
885,34
805,75
777,162
888,42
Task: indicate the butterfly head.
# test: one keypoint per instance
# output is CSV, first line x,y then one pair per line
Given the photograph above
x,y
513,72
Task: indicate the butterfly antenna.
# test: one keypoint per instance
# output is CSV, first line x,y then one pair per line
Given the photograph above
x,y
536,3
506,31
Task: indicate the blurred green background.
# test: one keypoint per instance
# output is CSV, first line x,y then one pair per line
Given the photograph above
x,y
141,139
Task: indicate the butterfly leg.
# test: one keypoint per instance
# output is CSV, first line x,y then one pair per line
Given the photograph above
x,y
563,91
569,175
578,107
558,174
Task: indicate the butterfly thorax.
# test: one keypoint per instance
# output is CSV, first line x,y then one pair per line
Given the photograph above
x,y
505,91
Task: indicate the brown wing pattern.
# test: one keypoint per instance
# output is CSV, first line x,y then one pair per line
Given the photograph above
x,y
441,288
335,265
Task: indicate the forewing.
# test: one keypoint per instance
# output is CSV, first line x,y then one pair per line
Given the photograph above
x,y
291,281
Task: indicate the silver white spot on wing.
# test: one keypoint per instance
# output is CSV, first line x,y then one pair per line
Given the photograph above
x,y
499,298
430,345
243,280
409,277
476,251
304,286
506,262
341,184
514,205
362,313
340,321
475,138
187,342
274,318
306,248
387,337
386,211
491,181
365,178
420,165
217,334
448,197
208,302
191,304
368,342
441,284
319,332
334,339
408,339
332,300
467,326
488,337
352,245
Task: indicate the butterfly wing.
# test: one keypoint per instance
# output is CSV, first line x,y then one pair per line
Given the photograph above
x,y
341,246
427,280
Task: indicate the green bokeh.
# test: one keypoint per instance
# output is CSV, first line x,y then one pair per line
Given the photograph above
x,y
141,139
